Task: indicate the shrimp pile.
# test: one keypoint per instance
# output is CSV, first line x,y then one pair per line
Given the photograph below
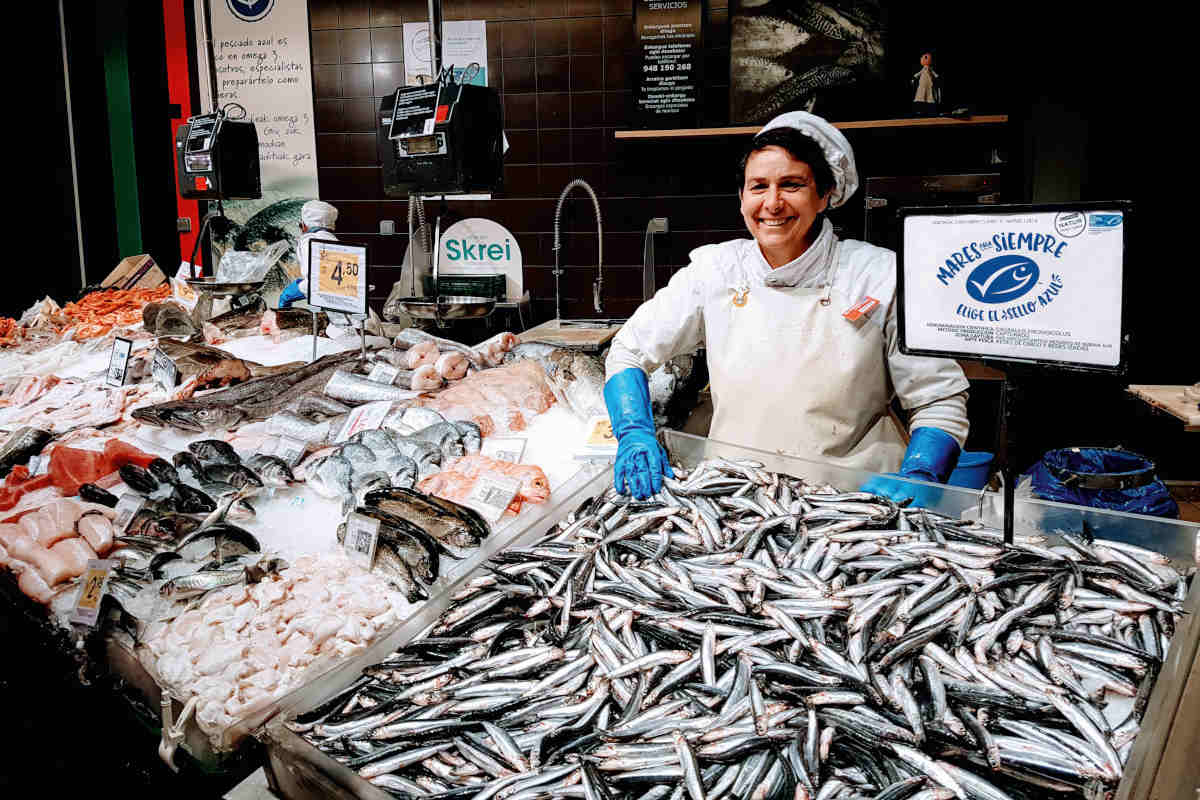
x,y
98,313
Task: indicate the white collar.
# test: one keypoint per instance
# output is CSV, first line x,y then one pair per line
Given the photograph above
x,y
809,267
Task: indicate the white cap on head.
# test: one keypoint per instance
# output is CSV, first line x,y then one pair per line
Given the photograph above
x,y
833,144
318,214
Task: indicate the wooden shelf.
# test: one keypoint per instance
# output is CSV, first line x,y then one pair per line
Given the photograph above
x,y
877,124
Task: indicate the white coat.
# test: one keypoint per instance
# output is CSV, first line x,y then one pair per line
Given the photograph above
x,y
323,234
788,372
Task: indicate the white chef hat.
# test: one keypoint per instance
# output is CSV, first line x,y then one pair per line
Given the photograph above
x,y
833,144
318,214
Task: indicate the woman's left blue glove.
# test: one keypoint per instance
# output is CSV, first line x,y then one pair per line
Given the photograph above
x,y
291,293
931,456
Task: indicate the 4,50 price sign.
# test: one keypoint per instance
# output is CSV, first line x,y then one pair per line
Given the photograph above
x,y
340,279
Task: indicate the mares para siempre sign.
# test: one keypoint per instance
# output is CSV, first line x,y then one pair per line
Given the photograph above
x,y
1022,284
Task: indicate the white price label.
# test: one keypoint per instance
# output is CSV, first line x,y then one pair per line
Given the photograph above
x,y
118,362
92,586
383,373
492,495
39,465
362,538
290,450
164,371
127,507
366,417
504,448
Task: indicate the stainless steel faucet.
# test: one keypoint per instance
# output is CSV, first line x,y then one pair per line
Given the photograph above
x,y
598,285
656,225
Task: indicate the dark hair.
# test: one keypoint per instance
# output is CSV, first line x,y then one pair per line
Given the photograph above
x,y
801,147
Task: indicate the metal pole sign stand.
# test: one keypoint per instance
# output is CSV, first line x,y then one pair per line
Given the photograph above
x,y
337,281
1027,289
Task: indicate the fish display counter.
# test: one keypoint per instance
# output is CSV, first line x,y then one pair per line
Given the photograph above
x,y
761,625
226,507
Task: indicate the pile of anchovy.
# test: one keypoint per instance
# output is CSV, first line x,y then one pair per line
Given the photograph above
x,y
745,634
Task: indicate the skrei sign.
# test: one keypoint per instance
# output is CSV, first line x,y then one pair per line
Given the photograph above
x,y
1039,284
478,246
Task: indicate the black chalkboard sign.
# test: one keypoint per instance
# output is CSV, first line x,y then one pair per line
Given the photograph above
x,y
669,64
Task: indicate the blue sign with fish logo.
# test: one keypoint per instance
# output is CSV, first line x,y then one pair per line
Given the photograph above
x,y
1101,220
250,10
1002,279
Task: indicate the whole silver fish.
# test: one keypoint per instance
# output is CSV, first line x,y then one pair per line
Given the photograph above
x,y
709,641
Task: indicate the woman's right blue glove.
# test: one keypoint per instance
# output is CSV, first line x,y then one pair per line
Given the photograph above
x,y
641,461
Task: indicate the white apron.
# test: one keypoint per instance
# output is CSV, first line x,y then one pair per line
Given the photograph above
x,y
789,374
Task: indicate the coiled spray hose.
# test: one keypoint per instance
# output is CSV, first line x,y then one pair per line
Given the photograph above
x,y
598,285
416,205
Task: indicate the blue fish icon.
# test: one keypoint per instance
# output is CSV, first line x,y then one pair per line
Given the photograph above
x,y
1104,220
1002,279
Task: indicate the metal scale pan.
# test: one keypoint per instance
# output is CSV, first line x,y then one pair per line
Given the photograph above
x,y
224,288
444,308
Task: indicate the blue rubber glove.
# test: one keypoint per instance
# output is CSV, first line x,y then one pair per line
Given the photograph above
x,y
641,461
931,456
291,293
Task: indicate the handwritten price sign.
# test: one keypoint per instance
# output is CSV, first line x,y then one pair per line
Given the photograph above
x,y
337,276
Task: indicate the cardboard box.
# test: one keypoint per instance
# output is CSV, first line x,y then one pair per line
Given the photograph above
x,y
135,272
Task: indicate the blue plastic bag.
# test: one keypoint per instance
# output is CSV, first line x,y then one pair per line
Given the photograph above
x,y
1064,476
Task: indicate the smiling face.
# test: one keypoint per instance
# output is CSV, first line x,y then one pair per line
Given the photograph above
x,y
780,202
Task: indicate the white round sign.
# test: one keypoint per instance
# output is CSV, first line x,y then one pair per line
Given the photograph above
x,y
478,246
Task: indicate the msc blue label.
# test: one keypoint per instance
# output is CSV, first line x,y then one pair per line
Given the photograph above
x,y
1002,279
1104,220
250,10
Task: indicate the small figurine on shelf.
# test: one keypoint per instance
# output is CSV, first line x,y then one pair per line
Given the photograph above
x,y
927,88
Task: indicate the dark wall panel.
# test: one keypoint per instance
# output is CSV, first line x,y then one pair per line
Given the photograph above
x,y
564,71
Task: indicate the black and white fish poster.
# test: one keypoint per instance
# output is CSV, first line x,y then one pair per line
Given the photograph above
x,y
1030,285
785,56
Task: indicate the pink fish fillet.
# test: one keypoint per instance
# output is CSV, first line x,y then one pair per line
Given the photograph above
x,y
97,531
34,587
50,566
212,334
452,365
9,533
42,526
426,378
421,354
75,553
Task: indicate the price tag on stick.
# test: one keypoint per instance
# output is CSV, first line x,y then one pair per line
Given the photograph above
x,y
127,508
383,373
501,448
362,539
92,586
492,495
366,417
165,373
118,362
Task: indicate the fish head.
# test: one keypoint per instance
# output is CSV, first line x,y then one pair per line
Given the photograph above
x,y
536,489
151,415
203,417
